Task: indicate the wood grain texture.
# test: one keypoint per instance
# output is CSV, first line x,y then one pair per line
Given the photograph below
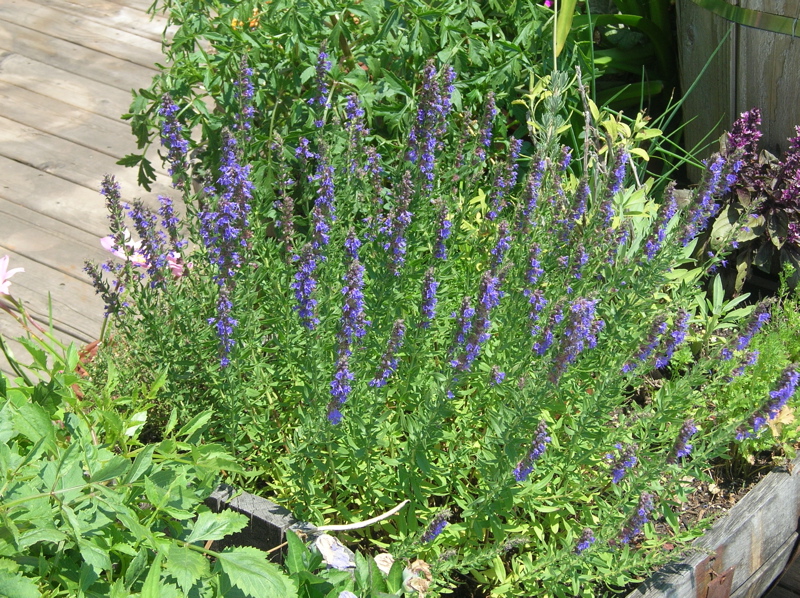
x,y
66,71
755,537
753,69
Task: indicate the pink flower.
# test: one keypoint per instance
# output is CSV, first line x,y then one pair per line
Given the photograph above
x,y
176,264
5,274
136,258
174,260
548,3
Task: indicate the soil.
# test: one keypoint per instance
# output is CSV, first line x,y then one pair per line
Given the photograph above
x,y
710,499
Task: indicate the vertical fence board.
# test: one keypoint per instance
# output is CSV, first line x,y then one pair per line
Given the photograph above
x,y
754,68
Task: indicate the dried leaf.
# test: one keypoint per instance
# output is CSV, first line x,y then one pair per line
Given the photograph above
x,y
785,416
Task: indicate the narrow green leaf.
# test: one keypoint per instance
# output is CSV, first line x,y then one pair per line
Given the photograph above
x,y
140,465
152,583
249,570
297,556
215,526
566,12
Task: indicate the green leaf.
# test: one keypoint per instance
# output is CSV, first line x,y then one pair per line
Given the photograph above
x,y
115,468
140,465
13,585
186,566
564,24
34,423
96,556
194,425
215,526
152,583
249,570
135,569
296,558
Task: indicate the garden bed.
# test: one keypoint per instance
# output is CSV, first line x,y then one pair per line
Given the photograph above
x,y
744,552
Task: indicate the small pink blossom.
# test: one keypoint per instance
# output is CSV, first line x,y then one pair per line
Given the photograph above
x,y
136,257
174,260
176,264
5,274
548,3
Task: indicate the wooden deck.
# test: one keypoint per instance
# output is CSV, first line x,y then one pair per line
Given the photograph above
x,y
67,68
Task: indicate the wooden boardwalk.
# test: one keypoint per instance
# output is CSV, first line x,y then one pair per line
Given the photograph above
x,y
67,68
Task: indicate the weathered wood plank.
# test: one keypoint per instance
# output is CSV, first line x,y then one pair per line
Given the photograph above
x,y
791,577
48,241
73,58
109,14
766,75
710,105
69,161
99,133
758,582
77,91
128,46
747,538
77,206
76,308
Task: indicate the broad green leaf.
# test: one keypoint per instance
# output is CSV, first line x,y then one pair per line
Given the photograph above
x,y
186,566
13,585
195,424
215,526
135,569
115,468
94,555
140,465
249,570
34,423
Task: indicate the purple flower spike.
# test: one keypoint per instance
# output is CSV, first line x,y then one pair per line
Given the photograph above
x,y
304,286
430,125
758,319
625,460
485,135
530,198
436,526
501,247
676,337
585,541
225,325
497,376
658,330
682,447
389,359
620,170
322,69
340,387
580,334
354,324
638,520
525,467
172,138
428,308
244,92
666,212
396,223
